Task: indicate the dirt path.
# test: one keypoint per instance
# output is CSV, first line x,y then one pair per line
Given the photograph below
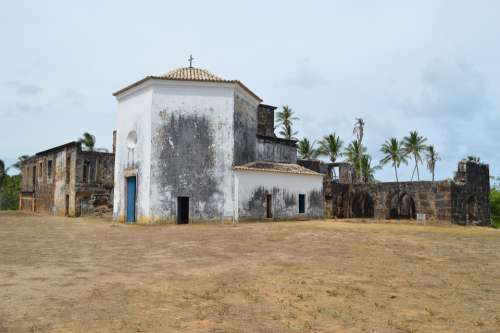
x,y
83,275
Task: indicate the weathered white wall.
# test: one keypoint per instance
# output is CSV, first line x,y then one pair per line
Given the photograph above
x,y
186,147
192,139
134,114
253,186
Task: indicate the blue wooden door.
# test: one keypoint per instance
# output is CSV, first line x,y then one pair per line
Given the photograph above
x,y
131,199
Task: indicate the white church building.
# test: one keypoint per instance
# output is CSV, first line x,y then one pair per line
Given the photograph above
x,y
194,147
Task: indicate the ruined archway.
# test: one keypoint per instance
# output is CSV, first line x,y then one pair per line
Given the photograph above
x,y
407,207
471,210
401,206
393,206
362,205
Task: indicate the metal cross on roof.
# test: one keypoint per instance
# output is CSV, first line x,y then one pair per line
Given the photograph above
x,y
191,61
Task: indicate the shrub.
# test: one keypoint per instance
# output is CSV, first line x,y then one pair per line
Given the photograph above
x,y
495,207
9,192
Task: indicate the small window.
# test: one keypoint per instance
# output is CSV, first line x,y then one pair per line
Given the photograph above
x,y
68,168
49,169
86,171
302,203
40,169
33,175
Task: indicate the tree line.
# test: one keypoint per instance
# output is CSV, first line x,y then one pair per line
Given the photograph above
x,y
395,151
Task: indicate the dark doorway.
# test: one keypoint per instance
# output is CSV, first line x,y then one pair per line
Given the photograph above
x,y
407,207
471,210
66,206
269,206
302,203
182,210
362,205
402,207
394,207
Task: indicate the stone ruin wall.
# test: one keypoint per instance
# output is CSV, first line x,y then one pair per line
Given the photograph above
x,y
49,194
463,200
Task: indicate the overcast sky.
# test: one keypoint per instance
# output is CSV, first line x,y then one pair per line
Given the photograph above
x,y
433,66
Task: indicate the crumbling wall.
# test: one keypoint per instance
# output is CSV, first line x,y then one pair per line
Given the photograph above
x,y
265,120
94,190
471,194
391,200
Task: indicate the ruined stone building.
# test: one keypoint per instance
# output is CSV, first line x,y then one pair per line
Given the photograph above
x,y
192,146
463,200
65,180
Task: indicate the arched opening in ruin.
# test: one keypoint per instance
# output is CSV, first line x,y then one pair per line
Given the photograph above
x,y
362,205
471,210
407,207
393,206
401,206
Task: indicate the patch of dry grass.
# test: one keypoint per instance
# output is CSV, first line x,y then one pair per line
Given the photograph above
x,y
82,275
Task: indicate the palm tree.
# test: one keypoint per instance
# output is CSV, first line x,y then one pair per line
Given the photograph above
x,y
20,160
88,141
285,121
393,152
359,130
414,144
432,159
353,153
306,149
330,146
368,171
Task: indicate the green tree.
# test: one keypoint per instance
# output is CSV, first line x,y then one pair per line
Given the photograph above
x,y
331,146
9,192
414,145
472,158
306,149
19,163
88,141
285,119
393,152
354,153
367,170
432,158
495,207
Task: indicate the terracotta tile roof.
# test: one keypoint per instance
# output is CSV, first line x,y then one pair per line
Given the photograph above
x,y
192,74
188,74
276,167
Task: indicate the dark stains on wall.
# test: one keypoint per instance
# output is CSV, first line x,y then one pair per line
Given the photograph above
x,y
285,204
316,203
245,130
184,165
276,150
257,203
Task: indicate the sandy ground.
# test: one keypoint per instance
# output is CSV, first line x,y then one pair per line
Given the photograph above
x,y
85,275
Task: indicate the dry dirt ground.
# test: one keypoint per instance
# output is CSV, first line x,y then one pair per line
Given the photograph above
x,y
85,275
